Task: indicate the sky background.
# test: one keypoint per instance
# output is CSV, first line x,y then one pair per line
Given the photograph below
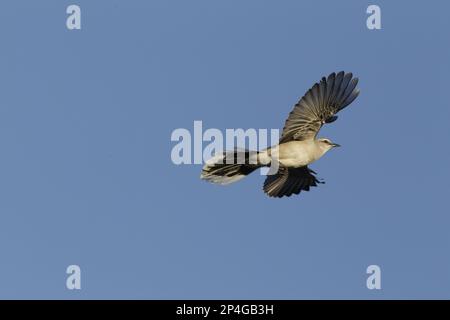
x,y
86,176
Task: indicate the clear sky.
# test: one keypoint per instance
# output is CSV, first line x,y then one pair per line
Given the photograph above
x,y
86,176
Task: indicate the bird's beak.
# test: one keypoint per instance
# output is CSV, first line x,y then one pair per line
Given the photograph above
x,y
336,145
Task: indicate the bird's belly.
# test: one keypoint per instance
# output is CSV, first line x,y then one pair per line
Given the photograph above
x,y
295,161
295,154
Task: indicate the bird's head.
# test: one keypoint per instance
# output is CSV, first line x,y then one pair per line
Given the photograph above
x,y
326,144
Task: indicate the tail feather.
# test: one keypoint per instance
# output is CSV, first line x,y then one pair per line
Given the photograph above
x,y
230,166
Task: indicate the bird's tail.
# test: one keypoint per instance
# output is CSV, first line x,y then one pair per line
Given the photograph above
x,y
230,166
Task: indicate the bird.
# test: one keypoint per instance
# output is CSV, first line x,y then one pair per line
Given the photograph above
x,y
298,146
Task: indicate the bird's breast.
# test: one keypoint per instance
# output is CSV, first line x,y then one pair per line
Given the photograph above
x,y
296,153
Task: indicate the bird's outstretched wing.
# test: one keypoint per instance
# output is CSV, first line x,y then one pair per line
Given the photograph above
x,y
319,105
288,181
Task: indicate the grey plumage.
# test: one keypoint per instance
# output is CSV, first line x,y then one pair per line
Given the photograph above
x,y
298,146
320,105
290,181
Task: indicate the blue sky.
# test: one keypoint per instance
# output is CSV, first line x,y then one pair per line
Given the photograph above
x,y
86,176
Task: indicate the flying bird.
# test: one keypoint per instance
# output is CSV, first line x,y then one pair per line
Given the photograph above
x,y
299,145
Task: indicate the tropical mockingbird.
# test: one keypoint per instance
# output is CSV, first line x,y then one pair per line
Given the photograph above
x,y
298,146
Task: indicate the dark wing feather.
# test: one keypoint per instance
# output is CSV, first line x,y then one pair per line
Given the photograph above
x,y
319,105
289,181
